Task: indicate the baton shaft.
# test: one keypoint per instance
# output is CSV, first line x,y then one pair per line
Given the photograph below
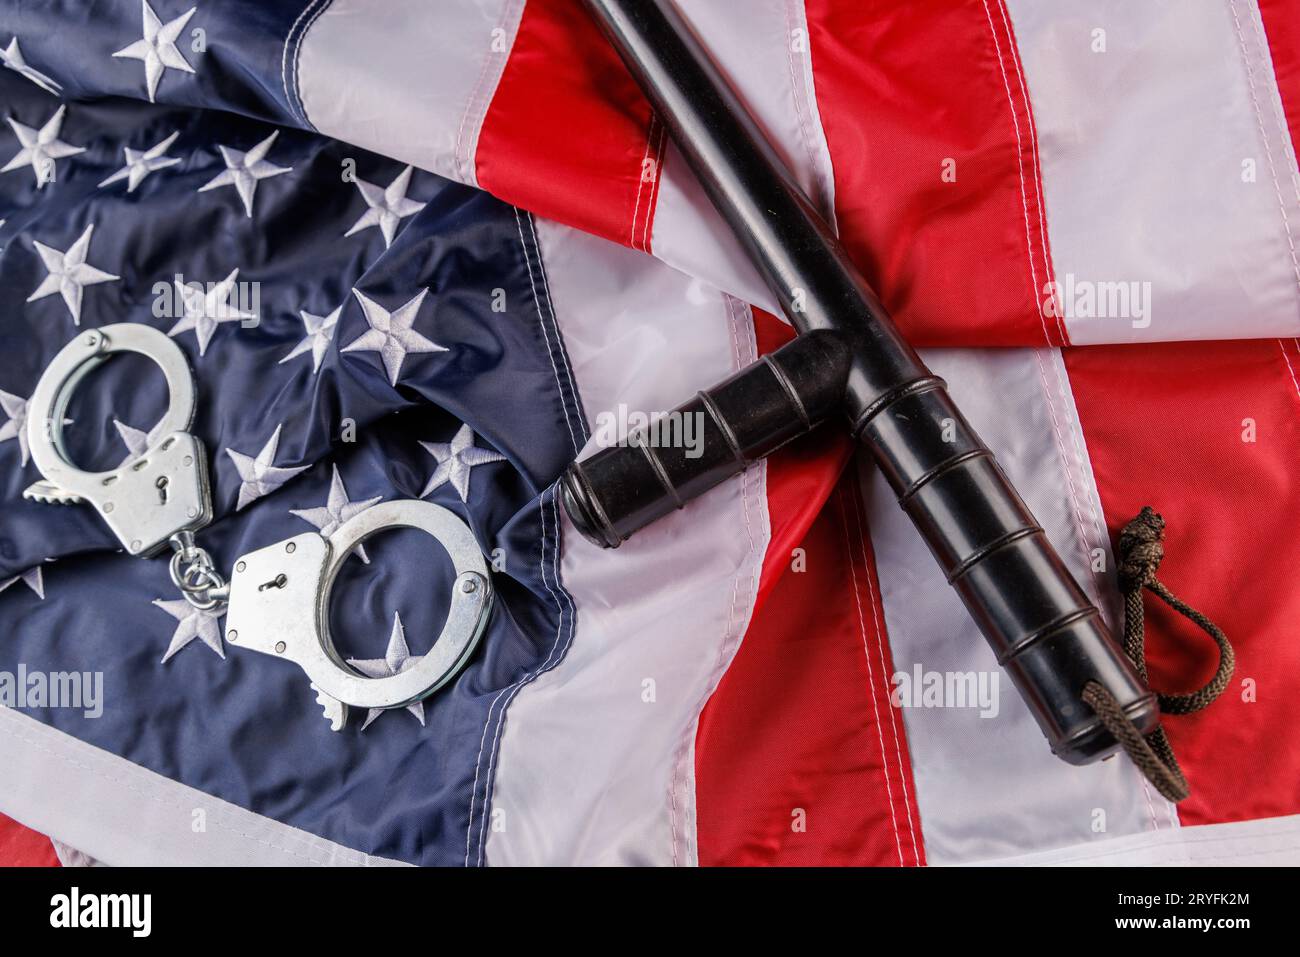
x,y
788,241
1037,620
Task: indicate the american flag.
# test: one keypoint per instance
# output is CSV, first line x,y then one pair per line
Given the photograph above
x,y
422,250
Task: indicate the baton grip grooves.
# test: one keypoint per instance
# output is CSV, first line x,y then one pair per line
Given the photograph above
x,y
1041,627
785,394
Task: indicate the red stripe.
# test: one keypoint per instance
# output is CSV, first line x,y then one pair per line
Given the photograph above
x,y
568,134
1164,426
21,847
799,756
904,85
800,478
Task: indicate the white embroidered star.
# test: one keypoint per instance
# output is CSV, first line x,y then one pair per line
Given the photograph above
x,y
203,624
390,333
158,47
388,205
40,148
243,170
205,310
336,510
137,442
455,460
31,578
320,333
68,273
259,475
16,427
13,59
140,163
396,659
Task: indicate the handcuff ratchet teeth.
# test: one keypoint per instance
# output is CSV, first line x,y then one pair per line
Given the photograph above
x,y
278,597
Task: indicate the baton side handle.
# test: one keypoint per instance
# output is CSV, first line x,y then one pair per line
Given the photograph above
x,y
744,418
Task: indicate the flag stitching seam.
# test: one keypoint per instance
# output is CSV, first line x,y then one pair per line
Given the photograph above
x,y
738,314
653,155
875,706
1263,132
541,320
798,92
477,103
512,690
657,159
1281,344
1037,178
1020,160
571,394
293,91
881,636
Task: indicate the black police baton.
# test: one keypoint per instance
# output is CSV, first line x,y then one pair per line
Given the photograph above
x,y
848,359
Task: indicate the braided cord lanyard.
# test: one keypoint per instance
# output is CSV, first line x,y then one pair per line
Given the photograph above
x,y
1141,550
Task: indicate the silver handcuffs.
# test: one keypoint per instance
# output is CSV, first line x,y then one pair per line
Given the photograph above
x,y
277,598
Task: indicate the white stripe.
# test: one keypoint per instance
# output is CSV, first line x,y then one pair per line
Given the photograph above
x,y
765,54
1267,842
1142,150
989,787
119,813
589,771
406,81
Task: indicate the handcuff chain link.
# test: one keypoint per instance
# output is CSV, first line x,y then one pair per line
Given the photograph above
x,y
193,572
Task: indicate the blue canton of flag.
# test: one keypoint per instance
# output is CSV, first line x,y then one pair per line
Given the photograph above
x,y
359,331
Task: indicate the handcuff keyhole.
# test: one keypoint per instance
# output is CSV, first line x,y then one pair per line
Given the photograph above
x,y
161,485
277,582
